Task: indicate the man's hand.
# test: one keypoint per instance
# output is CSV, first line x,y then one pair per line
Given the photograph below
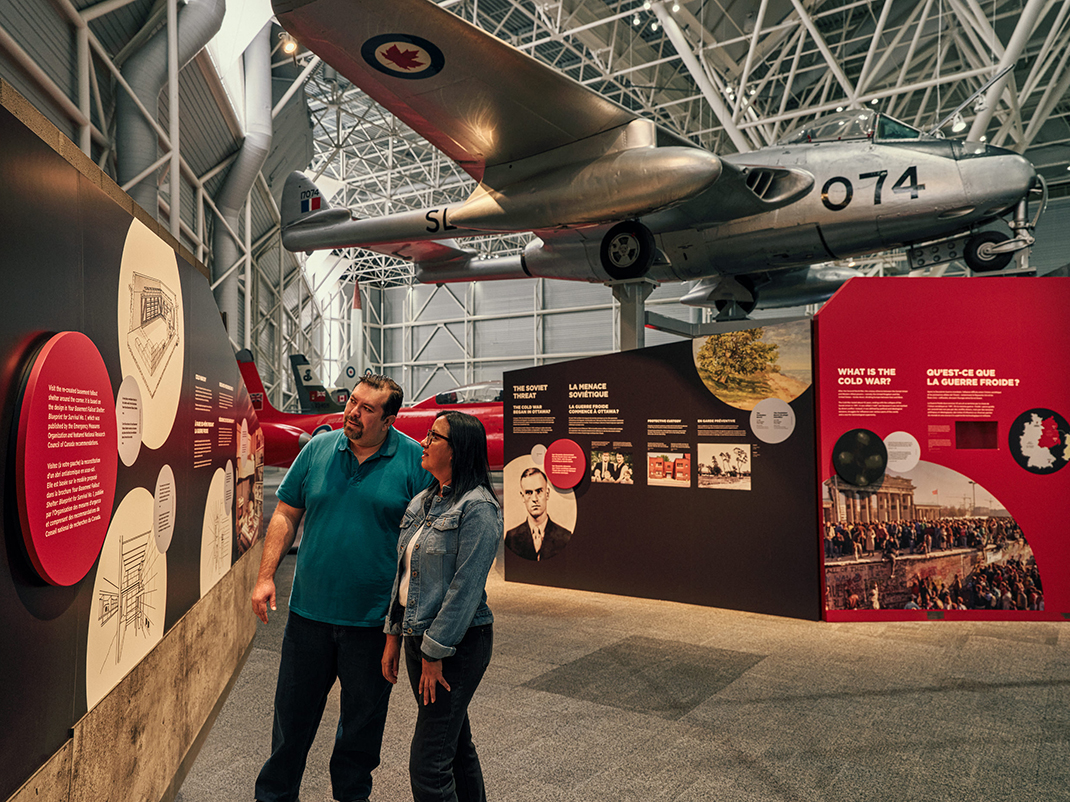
x,y
391,658
263,597
280,535
430,677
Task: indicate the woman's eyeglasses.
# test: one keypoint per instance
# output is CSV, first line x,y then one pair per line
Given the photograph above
x,y
432,436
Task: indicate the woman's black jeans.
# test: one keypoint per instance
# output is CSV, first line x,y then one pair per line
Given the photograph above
x,y
443,764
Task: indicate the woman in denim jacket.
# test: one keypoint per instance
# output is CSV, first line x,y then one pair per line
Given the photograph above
x,y
438,608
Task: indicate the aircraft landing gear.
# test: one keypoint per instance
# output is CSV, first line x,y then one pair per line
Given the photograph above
x,y
627,250
982,252
989,251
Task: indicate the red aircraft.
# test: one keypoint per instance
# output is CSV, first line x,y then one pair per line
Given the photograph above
x,y
285,433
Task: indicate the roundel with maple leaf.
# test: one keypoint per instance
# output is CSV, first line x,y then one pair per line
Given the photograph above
x,y
403,55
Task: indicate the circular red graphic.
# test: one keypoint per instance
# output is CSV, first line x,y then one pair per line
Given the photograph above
x,y
565,463
403,55
66,458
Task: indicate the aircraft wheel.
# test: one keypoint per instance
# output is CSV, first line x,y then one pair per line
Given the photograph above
x,y
979,255
627,250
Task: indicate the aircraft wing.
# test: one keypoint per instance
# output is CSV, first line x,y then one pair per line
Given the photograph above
x,y
424,251
479,100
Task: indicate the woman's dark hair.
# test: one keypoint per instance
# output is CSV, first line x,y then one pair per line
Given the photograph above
x,y
469,466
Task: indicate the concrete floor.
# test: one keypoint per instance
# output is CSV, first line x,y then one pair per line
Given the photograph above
x,y
597,697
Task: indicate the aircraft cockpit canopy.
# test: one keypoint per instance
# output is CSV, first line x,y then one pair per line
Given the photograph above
x,y
482,393
854,124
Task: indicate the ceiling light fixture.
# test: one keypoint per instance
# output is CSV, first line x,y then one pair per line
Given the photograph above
x,y
289,44
957,123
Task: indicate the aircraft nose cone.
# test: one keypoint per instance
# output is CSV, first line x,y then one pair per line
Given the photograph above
x,y
1020,172
998,179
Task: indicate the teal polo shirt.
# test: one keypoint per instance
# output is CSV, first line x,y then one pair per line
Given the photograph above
x,y
348,553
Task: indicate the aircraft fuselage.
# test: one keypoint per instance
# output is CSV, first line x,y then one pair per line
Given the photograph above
x,y
867,196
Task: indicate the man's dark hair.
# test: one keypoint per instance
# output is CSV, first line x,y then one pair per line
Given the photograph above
x,y
531,472
378,381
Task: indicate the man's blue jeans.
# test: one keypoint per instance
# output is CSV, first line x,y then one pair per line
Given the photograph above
x,y
443,764
313,655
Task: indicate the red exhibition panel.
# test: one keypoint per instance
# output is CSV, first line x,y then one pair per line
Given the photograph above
x,y
963,385
67,457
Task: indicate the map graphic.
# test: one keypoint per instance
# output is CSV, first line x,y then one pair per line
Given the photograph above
x,y
1039,439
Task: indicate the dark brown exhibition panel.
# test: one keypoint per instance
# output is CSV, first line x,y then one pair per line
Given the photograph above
x,y
87,284
943,409
698,481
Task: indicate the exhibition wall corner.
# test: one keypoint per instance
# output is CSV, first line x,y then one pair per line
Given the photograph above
x,y
132,485
899,457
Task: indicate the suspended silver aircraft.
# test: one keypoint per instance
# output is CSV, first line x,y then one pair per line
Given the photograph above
x,y
612,197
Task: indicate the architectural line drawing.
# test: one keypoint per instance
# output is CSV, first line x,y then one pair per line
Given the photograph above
x,y
128,599
219,535
152,333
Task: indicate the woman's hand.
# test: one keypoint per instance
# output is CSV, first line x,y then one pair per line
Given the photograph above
x,y
429,678
391,657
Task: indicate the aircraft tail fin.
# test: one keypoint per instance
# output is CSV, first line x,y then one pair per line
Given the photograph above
x,y
251,376
315,398
302,204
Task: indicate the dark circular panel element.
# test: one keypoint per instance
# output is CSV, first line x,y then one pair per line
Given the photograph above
x,y
860,458
1039,441
401,55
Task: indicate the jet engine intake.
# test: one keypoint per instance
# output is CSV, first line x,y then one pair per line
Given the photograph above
x,y
775,185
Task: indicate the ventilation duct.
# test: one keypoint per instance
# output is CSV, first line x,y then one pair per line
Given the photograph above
x,y
146,73
254,151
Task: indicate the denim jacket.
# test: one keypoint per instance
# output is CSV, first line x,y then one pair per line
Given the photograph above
x,y
449,568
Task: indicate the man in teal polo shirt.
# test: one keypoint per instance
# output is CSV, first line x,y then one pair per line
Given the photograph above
x,y
351,487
